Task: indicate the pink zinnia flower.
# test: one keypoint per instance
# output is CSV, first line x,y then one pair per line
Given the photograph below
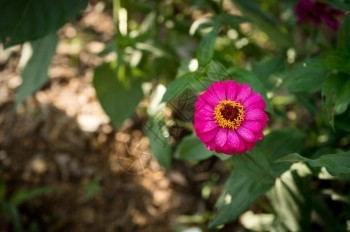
x,y
229,117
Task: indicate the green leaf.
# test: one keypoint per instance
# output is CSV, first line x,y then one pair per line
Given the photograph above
x,y
158,134
307,76
206,46
337,60
344,35
255,166
336,164
290,198
34,74
14,213
278,144
238,193
118,95
24,20
177,86
191,148
92,188
264,21
336,90
266,71
23,195
293,158
243,76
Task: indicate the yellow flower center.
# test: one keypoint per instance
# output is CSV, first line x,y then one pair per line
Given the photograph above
x,y
229,114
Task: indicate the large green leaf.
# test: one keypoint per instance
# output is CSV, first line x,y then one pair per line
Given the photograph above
x,y
255,166
23,20
307,76
34,74
118,95
191,148
336,164
158,136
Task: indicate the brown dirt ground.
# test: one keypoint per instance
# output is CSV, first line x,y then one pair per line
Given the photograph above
x,y
103,179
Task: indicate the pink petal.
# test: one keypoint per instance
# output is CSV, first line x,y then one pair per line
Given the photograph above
x,y
210,135
255,97
249,146
204,115
255,114
256,105
221,137
243,92
207,108
259,135
219,90
233,140
246,134
211,98
210,145
242,146
204,126
254,126
226,150
231,90
199,103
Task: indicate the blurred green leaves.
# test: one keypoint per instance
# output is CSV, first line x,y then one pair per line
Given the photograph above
x,y
265,22
24,20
